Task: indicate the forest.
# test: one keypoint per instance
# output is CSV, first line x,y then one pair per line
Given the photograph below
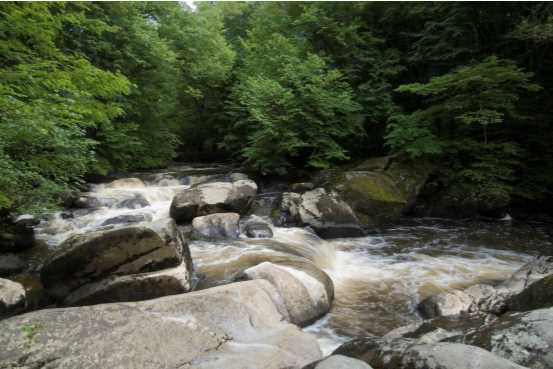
x,y
89,89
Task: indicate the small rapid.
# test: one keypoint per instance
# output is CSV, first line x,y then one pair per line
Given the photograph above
x,y
378,280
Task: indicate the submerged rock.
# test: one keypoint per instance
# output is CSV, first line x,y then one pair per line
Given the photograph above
x,y
90,257
237,326
217,226
383,353
12,298
305,297
213,197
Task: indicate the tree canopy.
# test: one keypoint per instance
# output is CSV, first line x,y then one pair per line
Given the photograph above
x,y
99,87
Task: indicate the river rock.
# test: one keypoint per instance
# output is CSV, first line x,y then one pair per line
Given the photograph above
x,y
236,326
12,298
17,235
302,187
90,257
530,272
11,264
323,211
258,230
306,298
443,304
87,202
136,202
213,197
383,353
217,226
536,296
128,218
379,190
136,287
126,183
524,338
339,362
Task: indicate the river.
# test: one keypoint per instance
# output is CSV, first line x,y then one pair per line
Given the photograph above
x,y
378,279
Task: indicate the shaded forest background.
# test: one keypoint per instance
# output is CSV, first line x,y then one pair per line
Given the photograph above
x,y
95,88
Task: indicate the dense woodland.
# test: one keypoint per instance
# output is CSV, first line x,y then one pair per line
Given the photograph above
x,y
95,88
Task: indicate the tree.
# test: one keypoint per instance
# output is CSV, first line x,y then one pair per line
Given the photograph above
x,y
48,100
462,120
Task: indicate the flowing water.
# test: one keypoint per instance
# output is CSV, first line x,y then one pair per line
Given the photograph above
x,y
378,279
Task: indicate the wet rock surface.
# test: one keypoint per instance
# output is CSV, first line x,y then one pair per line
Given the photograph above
x,y
524,338
11,264
258,230
323,211
90,257
236,327
213,197
217,226
12,298
383,353
305,297
339,362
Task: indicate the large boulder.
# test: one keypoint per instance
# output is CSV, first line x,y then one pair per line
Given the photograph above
x,y
324,211
379,190
90,257
135,287
383,353
217,226
524,338
236,326
213,197
305,297
12,298
339,362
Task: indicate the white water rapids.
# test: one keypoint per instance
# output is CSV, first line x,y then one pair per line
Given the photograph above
x,y
378,280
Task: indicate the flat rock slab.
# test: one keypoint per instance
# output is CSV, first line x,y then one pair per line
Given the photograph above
x,y
236,326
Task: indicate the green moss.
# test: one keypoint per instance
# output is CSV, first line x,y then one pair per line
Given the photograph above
x,y
376,188
29,331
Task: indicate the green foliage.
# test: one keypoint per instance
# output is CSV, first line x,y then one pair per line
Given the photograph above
x,y
461,122
48,101
99,87
288,105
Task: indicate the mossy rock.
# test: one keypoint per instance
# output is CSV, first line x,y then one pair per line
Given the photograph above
x,y
382,195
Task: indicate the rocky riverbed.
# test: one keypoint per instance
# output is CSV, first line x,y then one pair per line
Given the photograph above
x,y
202,267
